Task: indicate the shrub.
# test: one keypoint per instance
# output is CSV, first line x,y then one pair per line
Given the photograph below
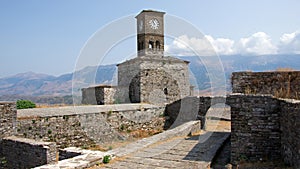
x,y
106,159
25,104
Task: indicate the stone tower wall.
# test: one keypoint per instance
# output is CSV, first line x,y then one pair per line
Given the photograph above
x,y
176,78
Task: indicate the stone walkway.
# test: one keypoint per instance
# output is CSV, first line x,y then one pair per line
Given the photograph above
x,y
169,149
178,152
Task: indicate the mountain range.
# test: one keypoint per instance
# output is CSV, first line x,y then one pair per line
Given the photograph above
x,y
33,85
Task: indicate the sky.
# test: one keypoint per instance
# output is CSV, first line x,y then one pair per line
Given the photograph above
x,y
47,36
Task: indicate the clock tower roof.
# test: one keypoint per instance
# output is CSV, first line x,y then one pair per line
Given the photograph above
x,y
149,11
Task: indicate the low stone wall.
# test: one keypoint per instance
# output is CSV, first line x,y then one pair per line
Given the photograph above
x,y
279,84
26,153
255,128
290,132
85,126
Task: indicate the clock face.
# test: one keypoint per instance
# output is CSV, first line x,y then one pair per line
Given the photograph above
x,y
154,24
141,24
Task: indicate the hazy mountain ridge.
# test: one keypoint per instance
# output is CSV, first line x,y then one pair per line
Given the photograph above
x,y
33,84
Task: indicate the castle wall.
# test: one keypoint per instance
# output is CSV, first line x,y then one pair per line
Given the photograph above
x,y
262,127
191,108
26,153
8,116
279,84
255,128
290,132
84,126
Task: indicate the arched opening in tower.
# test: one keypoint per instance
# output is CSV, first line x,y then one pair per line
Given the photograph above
x,y
157,43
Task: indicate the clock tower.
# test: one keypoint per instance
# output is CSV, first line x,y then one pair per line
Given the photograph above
x,y
151,77
150,33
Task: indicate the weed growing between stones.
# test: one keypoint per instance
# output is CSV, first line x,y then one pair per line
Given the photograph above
x,y
106,159
3,162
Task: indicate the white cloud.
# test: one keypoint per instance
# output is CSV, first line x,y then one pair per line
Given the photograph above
x,y
257,44
221,45
206,46
290,43
185,45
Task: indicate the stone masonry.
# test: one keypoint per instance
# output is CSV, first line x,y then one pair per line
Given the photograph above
x,y
279,84
85,126
262,127
102,94
81,126
151,77
255,127
24,153
8,116
154,80
290,133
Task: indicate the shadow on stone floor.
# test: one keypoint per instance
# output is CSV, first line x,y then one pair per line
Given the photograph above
x,y
207,146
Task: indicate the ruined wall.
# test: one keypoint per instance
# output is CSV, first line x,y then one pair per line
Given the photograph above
x,y
255,128
85,126
290,132
279,84
26,153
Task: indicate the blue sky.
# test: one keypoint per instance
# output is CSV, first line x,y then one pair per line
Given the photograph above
x,y
46,36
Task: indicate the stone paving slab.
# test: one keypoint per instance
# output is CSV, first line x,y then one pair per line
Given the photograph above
x,y
193,152
182,130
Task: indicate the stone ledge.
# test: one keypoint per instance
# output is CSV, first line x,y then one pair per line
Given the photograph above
x,y
28,141
27,153
75,110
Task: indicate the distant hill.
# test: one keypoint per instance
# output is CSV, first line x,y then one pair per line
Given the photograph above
x,y
31,85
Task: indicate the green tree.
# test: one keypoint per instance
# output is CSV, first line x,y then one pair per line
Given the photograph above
x,y
25,104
